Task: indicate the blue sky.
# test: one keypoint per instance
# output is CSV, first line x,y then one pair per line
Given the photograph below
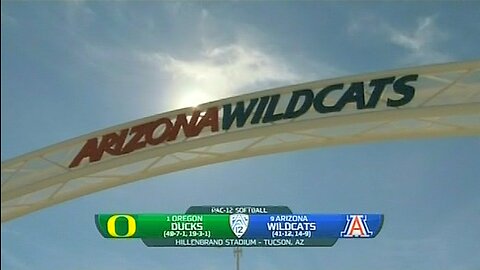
x,y
69,68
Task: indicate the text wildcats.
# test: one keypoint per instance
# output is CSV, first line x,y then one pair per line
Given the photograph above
x,y
256,110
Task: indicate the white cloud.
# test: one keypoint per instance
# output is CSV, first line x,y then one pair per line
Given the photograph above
x,y
221,72
231,60
420,42
418,38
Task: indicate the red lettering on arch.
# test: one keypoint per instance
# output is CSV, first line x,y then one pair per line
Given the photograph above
x,y
142,135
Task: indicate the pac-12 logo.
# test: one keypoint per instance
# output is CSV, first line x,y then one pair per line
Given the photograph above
x,y
356,227
239,224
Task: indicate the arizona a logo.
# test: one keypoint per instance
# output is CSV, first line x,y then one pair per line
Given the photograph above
x,y
356,227
239,224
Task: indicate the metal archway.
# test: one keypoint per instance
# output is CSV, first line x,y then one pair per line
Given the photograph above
x,y
427,101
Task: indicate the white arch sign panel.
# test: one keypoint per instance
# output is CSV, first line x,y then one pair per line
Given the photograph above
x,y
428,101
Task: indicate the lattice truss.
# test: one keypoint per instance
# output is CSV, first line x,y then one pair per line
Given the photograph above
x,y
446,103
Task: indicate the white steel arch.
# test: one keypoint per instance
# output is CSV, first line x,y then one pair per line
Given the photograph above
x,y
427,101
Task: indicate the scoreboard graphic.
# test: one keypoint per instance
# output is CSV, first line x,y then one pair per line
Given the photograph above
x,y
239,226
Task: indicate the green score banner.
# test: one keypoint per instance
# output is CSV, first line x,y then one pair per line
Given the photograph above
x,y
262,227
164,226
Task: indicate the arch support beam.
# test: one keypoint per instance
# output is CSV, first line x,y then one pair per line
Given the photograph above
x,y
422,102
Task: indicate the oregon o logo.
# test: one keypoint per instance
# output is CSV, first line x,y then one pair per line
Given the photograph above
x,y
112,229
